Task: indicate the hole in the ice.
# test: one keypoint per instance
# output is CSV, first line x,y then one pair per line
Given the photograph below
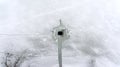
x,y
60,33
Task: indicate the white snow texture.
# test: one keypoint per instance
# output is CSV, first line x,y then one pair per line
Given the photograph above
x,y
26,33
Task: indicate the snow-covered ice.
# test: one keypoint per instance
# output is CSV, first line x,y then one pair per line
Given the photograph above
x,y
26,31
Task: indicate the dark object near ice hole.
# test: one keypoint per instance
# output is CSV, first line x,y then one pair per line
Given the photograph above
x,y
60,33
